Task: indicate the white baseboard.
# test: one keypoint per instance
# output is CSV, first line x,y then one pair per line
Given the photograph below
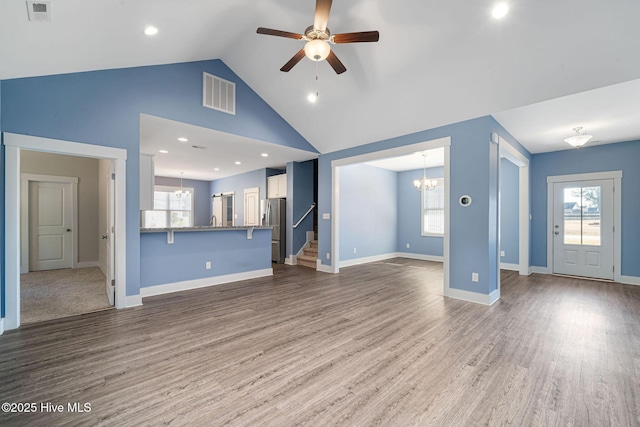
x,y
323,268
539,270
291,260
133,301
87,264
203,283
421,257
630,280
507,266
2,326
473,296
368,259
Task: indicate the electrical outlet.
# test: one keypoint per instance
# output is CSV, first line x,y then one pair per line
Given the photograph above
x,y
408,245
501,253
328,255
474,277
354,250
326,216
207,265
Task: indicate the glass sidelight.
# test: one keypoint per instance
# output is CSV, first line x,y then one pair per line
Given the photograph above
x,y
582,215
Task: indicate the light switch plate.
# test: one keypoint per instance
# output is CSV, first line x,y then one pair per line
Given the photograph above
x,y
326,216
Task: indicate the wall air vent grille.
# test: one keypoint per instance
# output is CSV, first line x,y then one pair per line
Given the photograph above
x,y
218,94
39,11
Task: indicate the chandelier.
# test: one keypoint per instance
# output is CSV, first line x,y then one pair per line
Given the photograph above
x,y
425,184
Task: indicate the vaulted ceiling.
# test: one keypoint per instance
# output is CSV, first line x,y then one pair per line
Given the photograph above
x,y
437,62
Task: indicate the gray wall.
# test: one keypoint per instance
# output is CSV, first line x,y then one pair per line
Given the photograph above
x,y
86,170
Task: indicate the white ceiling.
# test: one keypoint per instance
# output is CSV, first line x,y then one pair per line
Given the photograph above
x,y
411,162
436,63
610,114
219,150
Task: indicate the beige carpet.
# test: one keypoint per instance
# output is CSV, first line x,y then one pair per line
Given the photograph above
x,y
52,294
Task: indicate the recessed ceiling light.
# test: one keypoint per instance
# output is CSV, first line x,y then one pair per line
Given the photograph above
x,y
183,139
500,10
312,97
264,155
238,163
216,169
150,30
164,151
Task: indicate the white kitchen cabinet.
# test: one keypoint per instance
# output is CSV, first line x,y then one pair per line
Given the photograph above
x,y
277,186
146,182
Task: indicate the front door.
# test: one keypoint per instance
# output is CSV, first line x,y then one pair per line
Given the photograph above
x,y
583,228
51,217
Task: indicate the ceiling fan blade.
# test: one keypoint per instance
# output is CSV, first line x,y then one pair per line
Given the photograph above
x,y
293,61
278,33
364,36
335,63
323,7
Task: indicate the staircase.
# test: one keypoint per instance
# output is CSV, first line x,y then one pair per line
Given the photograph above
x,y
310,255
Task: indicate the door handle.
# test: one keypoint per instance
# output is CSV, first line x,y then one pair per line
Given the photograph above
x,y
68,230
104,237
556,232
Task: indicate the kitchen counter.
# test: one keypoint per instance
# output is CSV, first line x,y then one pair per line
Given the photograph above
x,y
170,231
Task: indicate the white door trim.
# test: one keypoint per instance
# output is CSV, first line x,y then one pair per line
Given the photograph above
x,y
14,144
382,154
27,178
617,214
510,153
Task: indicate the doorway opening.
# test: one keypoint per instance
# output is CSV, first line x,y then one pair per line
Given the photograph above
x,y
341,165
45,233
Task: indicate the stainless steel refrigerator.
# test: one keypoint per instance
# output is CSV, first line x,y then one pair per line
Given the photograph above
x,y
274,214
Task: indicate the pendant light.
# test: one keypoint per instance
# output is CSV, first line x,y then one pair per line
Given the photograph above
x,y
180,192
425,184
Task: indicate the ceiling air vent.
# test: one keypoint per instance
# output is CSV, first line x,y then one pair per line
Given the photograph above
x,y
219,94
39,11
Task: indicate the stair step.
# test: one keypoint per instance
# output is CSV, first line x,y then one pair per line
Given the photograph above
x,y
313,243
311,251
307,261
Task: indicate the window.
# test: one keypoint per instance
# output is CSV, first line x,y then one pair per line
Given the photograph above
x,y
169,210
433,210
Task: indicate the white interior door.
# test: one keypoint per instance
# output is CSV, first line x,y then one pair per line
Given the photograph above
x,y
252,206
109,232
583,228
51,219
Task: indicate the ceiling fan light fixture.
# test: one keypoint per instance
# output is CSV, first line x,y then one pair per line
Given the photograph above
x,y
317,50
579,139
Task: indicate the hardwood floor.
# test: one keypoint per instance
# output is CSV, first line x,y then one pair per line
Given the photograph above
x,y
376,344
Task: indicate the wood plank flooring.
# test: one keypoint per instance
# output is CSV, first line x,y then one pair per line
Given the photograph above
x,y
376,345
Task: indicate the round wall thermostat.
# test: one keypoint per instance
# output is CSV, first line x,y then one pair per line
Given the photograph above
x,y
465,200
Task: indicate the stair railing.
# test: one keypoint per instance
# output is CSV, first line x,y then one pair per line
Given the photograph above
x,y
313,206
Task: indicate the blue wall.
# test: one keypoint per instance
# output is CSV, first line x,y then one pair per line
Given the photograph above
x,y
509,209
368,211
229,252
104,107
202,196
237,184
624,156
302,181
409,218
473,230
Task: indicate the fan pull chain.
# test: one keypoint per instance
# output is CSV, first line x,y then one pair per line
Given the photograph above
x,y
317,90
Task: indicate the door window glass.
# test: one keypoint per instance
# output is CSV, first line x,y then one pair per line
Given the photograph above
x,y
582,216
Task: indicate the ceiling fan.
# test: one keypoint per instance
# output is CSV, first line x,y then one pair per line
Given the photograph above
x,y
318,38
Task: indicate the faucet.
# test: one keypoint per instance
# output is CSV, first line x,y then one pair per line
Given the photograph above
x,y
214,221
